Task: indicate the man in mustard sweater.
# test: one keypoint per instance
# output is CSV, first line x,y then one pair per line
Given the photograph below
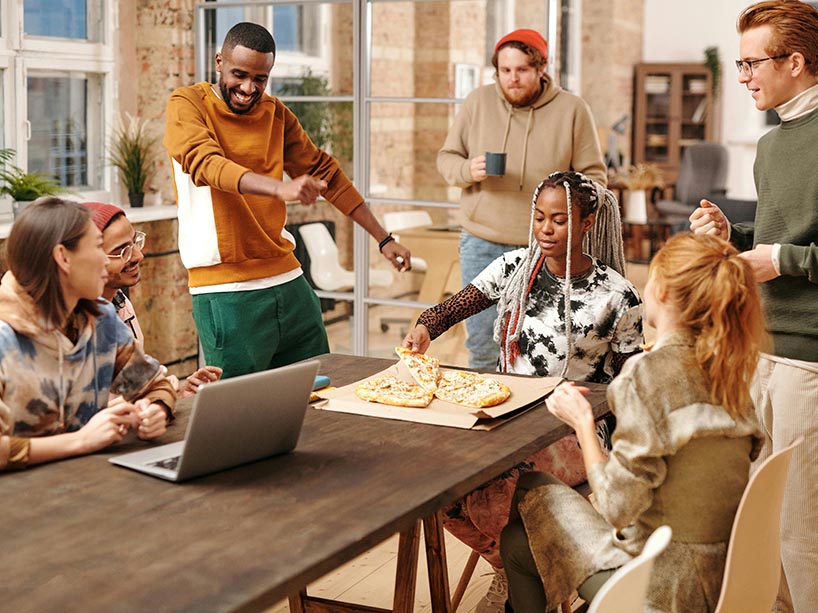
x,y
779,67
230,145
541,129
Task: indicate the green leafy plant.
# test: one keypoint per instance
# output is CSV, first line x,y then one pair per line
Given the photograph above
x,y
132,152
713,62
328,124
23,186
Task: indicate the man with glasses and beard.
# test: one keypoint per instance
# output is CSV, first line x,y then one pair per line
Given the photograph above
x,y
542,129
779,68
230,144
124,247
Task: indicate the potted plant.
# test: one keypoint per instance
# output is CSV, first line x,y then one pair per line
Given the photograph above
x,y
132,154
22,186
638,180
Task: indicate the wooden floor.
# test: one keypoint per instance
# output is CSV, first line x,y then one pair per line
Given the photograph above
x,y
370,578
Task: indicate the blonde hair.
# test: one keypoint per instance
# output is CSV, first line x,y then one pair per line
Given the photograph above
x,y
603,241
717,298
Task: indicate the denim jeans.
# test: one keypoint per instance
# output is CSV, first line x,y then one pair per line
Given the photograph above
x,y
475,255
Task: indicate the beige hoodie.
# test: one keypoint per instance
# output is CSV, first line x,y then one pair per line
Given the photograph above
x,y
50,385
557,132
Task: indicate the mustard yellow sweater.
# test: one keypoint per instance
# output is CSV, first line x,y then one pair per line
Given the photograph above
x,y
225,236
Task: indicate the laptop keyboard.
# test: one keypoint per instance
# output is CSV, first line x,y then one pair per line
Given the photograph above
x,y
167,463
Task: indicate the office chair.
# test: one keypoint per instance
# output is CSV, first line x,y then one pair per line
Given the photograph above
x,y
325,266
702,174
399,220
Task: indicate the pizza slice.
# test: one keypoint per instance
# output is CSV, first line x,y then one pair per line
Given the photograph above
x,y
391,390
471,389
424,368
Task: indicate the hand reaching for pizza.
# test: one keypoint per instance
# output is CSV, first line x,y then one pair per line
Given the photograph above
x,y
418,339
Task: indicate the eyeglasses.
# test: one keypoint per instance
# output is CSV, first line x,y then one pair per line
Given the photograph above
x,y
127,252
746,66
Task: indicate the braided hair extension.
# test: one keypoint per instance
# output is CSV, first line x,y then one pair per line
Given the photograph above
x,y
603,241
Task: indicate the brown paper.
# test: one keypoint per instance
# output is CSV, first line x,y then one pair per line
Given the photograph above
x,y
526,392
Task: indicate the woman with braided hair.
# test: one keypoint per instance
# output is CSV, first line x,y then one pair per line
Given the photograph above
x,y
564,310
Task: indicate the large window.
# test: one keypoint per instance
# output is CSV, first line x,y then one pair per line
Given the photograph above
x,y
378,88
57,73
74,19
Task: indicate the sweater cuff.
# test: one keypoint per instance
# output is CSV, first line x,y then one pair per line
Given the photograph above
x,y
18,453
775,256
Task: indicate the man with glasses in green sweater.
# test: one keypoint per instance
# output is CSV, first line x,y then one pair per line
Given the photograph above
x,y
779,67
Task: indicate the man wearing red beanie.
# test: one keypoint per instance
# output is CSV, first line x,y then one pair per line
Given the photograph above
x,y
541,129
124,245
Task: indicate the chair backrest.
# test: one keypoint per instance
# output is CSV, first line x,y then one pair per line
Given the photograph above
x,y
703,171
325,267
398,220
753,568
625,591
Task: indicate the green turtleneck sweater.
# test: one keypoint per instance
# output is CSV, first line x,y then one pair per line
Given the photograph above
x,y
786,176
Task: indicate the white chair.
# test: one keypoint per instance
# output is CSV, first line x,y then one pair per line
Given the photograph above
x,y
325,267
400,220
753,568
625,591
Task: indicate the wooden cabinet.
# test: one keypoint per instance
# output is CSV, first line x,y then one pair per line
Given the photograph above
x,y
673,108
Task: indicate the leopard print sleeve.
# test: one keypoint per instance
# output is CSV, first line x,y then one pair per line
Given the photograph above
x,y
465,303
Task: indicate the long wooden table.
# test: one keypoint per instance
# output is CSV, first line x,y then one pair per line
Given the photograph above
x,y
84,535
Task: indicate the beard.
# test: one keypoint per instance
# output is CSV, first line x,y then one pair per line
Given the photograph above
x,y
523,97
226,97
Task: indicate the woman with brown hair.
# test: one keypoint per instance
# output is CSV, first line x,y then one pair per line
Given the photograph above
x,y
62,349
686,434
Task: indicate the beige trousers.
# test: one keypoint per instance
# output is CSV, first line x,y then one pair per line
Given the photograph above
x,y
785,394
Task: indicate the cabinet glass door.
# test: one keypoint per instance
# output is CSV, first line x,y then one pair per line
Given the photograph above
x,y
695,108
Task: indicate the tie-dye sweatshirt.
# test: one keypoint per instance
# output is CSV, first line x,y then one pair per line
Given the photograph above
x,y
50,385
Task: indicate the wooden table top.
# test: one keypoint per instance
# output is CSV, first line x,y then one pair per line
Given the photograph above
x,y
82,534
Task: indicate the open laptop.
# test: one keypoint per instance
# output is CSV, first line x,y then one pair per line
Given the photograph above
x,y
233,422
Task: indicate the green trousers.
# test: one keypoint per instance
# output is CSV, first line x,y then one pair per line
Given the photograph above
x,y
245,332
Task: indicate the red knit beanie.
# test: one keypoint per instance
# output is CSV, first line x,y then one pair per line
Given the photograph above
x,y
532,38
103,213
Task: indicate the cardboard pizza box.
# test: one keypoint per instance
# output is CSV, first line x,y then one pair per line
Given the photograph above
x,y
526,393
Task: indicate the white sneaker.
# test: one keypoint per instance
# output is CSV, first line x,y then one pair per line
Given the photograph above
x,y
495,599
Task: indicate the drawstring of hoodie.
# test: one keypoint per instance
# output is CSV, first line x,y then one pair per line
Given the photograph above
x,y
525,140
525,145
508,128
61,362
62,379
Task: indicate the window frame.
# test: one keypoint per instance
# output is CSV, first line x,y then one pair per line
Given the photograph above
x,y
24,55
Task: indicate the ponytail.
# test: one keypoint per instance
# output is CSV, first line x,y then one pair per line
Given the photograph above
x,y
716,294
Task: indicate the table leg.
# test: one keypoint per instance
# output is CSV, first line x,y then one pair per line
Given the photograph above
x,y
407,570
436,563
405,576
297,602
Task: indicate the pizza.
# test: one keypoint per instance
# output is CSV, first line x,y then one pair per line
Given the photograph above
x,y
391,390
471,389
424,368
